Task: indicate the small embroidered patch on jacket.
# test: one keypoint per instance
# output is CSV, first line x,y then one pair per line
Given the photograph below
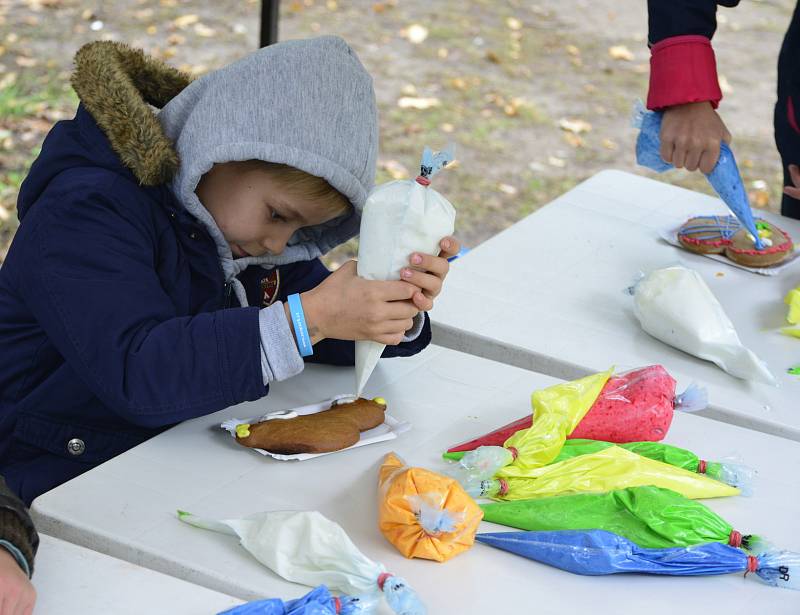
x,y
270,285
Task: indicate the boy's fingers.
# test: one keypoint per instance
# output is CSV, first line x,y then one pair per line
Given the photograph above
x,y
693,159
395,290
431,264
708,160
678,157
430,284
425,304
400,310
450,247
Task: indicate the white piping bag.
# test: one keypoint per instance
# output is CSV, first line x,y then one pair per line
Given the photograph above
x,y
400,217
676,306
306,547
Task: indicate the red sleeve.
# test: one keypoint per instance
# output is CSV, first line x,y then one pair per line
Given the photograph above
x,y
683,69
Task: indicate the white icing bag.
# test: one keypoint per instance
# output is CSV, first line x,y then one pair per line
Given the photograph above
x,y
676,306
400,217
306,547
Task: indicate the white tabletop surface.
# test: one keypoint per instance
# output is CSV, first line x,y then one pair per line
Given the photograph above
x,y
126,507
547,295
72,579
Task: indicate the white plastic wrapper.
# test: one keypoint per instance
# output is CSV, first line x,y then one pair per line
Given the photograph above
x,y
400,217
306,547
676,306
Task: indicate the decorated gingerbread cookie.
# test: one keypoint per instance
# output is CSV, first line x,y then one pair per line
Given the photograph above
x,y
333,429
708,234
725,235
777,246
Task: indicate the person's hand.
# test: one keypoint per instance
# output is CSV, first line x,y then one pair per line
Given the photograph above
x,y
428,272
17,595
691,135
793,191
347,307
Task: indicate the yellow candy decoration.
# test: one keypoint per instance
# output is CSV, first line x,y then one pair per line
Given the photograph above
x,y
380,400
243,430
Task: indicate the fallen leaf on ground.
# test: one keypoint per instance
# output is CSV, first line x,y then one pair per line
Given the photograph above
x,y
414,102
620,52
575,126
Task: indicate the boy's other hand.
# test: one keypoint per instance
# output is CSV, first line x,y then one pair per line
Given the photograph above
x,y
17,595
347,307
428,272
691,135
793,191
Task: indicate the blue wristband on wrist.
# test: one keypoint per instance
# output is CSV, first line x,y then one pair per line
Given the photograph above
x,y
300,328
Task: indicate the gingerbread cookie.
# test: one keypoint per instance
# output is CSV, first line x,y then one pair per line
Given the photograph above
x,y
777,246
708,234
323,432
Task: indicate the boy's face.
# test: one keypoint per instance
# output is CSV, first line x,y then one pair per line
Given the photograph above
x,y
253,211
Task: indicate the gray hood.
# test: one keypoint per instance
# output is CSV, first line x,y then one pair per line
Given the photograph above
x,y
308,104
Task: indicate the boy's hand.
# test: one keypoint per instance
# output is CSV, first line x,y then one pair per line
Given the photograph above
x,y
428,272
347,307
793,191
17,595
691,135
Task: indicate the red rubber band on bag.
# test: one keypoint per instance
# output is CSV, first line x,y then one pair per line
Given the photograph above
x,y
337,604
701,466
423,181
514,453
752,564
503,486
735,539
382,579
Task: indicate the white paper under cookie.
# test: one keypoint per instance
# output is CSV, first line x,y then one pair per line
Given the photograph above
x,y
676,306
388,430
670,235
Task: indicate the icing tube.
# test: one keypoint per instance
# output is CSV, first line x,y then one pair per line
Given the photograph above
x,y
598,552
399,218
308,548
675,306
724,177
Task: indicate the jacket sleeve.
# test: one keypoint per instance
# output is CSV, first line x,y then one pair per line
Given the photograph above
x,y
307,275
683,67
93,286
17,533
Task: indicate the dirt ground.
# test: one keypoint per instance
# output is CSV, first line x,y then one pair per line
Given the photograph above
x,y
536,95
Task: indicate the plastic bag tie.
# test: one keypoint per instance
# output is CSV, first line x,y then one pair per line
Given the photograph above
x,y
337,604
735,539
514,453
752,564
423,181
503,486
382,579
701,466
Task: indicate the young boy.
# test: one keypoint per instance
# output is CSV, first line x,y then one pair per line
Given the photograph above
x,y
147,282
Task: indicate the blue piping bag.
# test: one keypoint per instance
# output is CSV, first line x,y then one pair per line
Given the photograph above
x,y
724,177
318,601
598,552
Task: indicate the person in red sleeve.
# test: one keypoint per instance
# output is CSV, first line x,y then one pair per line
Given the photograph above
x,y
683,83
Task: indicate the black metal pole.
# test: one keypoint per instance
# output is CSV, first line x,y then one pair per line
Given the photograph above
x,y
269,22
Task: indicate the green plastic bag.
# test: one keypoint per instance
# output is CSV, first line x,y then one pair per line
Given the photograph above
x,y
651,517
